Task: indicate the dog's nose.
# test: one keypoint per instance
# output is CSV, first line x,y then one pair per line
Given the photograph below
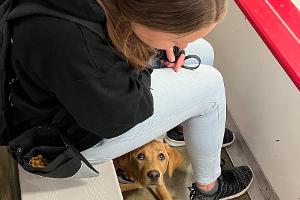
x,y
153,174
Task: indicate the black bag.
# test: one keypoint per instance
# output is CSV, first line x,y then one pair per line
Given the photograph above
x,y
45,149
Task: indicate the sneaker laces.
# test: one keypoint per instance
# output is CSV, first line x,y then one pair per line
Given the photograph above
x,y
192,192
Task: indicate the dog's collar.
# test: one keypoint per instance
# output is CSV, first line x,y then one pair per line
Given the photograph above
x,y
122,177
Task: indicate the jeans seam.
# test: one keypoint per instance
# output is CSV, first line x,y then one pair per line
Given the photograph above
x,y
218,172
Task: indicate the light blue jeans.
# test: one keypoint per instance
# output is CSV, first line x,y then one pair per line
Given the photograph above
x,y
195,98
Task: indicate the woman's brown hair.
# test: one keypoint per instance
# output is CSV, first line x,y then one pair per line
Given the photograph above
x,y
172,16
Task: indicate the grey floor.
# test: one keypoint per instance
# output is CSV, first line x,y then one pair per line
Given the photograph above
x,y
179,183
9,182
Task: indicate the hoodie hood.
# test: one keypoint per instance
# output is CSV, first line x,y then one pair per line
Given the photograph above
x,y
86,9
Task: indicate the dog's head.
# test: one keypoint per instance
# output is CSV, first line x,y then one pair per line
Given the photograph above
x,y
147,164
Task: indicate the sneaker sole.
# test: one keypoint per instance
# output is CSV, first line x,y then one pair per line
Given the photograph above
x,y
175,143
229,143
240,193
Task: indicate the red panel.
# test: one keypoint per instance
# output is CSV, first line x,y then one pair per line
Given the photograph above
x,y
278,24
289,13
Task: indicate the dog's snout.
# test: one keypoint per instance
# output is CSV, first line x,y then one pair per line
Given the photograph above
x,y
153,174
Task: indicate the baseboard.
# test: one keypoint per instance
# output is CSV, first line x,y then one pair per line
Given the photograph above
x,y
241,154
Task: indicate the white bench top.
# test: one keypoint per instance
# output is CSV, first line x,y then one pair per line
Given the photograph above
x,y
103,187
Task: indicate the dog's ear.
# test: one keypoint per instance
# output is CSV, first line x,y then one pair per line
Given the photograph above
x,y
175,159
123,162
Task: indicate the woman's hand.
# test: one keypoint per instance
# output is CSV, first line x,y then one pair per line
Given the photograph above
x,y
177,65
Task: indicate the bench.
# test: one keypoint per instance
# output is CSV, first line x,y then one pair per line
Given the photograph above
x,y
103,187
16,184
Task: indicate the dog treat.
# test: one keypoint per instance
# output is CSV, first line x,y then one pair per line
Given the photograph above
x,y
38,161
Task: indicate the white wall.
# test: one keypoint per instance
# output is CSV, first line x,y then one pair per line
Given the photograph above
x,y
262,99
297,3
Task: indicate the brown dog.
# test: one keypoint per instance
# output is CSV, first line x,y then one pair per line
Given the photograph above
x,y
146,166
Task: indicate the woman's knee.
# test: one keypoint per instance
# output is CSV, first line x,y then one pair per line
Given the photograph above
x,y
211,80
203,49
212,92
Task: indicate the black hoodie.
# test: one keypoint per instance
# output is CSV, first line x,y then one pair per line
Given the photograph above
x,y
60,63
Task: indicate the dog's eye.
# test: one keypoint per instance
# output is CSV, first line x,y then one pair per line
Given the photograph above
x,y
161,156
141,156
